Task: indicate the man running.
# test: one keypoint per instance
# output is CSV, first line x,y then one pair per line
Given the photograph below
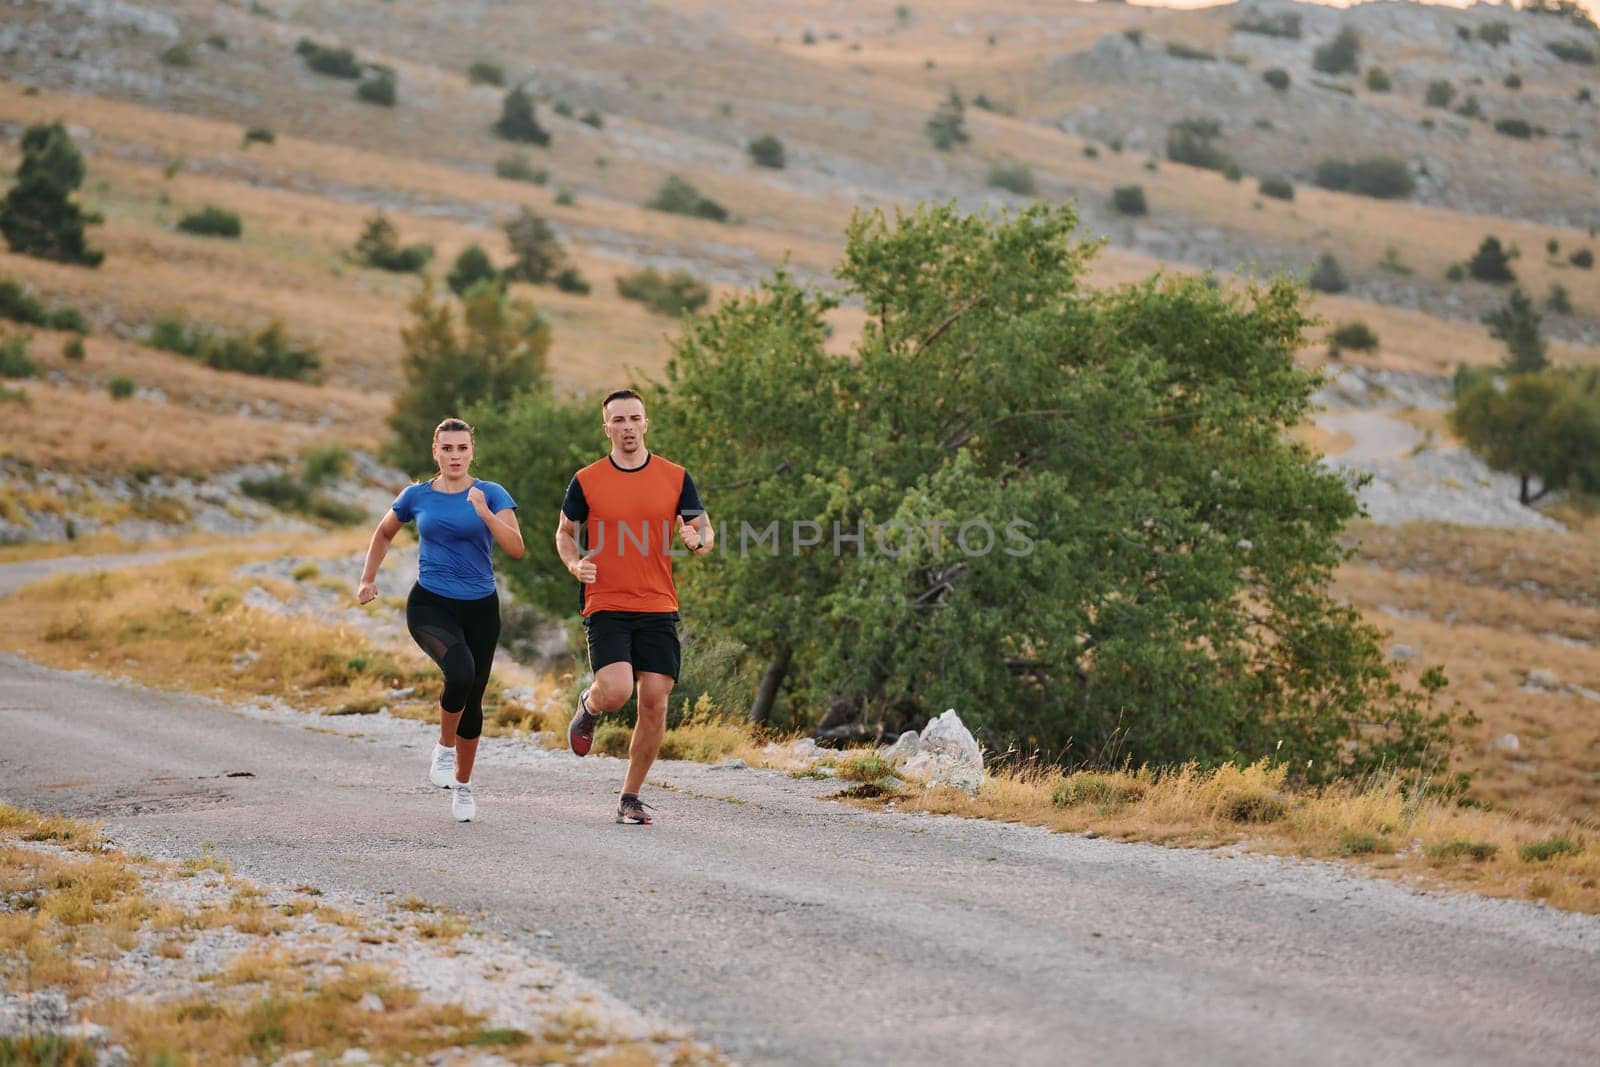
x,y
630,503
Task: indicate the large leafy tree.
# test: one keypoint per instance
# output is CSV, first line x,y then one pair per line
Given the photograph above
x,y
38,216
496,353
1155,587
1543,426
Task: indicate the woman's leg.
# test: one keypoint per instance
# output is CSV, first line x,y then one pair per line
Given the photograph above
x,y
481,629
437,630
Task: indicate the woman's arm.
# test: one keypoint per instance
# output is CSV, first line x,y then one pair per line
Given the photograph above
x,y
388,526
503,525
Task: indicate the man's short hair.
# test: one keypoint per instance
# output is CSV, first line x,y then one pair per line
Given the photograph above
x,y
619,394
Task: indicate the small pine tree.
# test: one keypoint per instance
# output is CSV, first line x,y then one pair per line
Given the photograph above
x,y
767,151
1558,302
536,253
1491,263
948,126
38,217
471,267
1340,55
519,120
1327,276
1517,324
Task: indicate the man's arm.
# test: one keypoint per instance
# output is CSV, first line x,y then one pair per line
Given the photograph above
x,y
571,555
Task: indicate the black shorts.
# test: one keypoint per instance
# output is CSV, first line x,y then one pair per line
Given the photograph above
x,y
646,639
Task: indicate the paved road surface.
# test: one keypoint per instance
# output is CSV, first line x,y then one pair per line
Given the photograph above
x,y
789,929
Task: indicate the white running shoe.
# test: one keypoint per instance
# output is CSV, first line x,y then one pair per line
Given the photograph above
x,y
462,805
442,772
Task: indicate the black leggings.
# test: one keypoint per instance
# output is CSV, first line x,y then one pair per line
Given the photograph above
x,y
460,636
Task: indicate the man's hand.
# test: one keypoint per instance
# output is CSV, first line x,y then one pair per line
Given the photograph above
x,y
366,592
690,534
583,570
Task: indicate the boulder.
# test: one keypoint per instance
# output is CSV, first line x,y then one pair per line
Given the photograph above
x,y
947,755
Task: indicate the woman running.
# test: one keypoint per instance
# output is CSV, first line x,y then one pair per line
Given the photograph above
x,y
452,612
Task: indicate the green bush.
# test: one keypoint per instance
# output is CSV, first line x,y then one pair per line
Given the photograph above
x,y
669,294
1470,108
258,135
379,246
1549,849
212,221
1089,152
120,388
1232,171
592,118
73,349
947,128
1129,200
1135,35
1439,93
333,62
562,108
1357,336
378,88
1514,127
1383,177
66,318
568,280
1283,24
1340,55
38,216
1364,844
565,198
1377,80
217,41
21,306
321,464
766,151
1462,849
483,72
1513,81
1327,276
678,197
1276,77
268,353
517,167
1495,33
1276,186
1101,790
1517,324
1552,247
471,267
1193,141
1572,52
1583,95
519,119
1250,806
287,493
15,362
1491,263
1455,272
1558,302
1181,50
983,103
1583,259
177,55
536,254
1014,177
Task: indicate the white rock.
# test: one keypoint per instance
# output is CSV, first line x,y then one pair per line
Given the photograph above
x,y
1541,678
903,748
1507,743
1587,694
1402,653
947,755
370,1002
356,1055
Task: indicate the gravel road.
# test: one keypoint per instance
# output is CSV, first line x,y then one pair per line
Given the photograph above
x,y
784,928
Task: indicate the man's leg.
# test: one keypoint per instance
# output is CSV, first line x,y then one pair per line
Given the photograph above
x,y
611,688
654,689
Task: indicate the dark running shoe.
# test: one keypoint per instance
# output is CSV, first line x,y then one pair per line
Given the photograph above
x,y
632,812
580,731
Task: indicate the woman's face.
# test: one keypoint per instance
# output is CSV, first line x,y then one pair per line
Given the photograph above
x,y
452,451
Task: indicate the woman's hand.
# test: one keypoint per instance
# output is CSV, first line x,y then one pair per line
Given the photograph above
x,y
479,504
366,592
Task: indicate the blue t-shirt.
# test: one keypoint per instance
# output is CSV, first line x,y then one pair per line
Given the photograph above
x,y
453,560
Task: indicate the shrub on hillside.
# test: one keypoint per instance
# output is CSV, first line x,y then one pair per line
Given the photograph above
x,y
1182,50
212,221
1569,51
120,388
1276,77
1583,259
536,254
1514,127
518,167
1495,33
1583,95
1327,276
484,72
1014,177
1384,177
267,353
1517,324
1439,93
1357,336
1377,80
1559,302
379,246
948,126
471,267
177,55
15,362
73,348
1281,24
1276,186
676,196
38,216
333,62
519,119
378,88
569,280
592,118
1470,108
669,294
21,306
1129,200
1491,263
766,151
1341,55
258,135
1193,141
1513,81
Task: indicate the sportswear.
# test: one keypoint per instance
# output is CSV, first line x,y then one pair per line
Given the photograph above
x,y
453,560
630,520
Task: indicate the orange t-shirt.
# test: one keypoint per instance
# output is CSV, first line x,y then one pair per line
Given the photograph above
x,y
630,522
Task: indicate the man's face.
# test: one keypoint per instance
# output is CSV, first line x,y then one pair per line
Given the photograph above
x,y
625,425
